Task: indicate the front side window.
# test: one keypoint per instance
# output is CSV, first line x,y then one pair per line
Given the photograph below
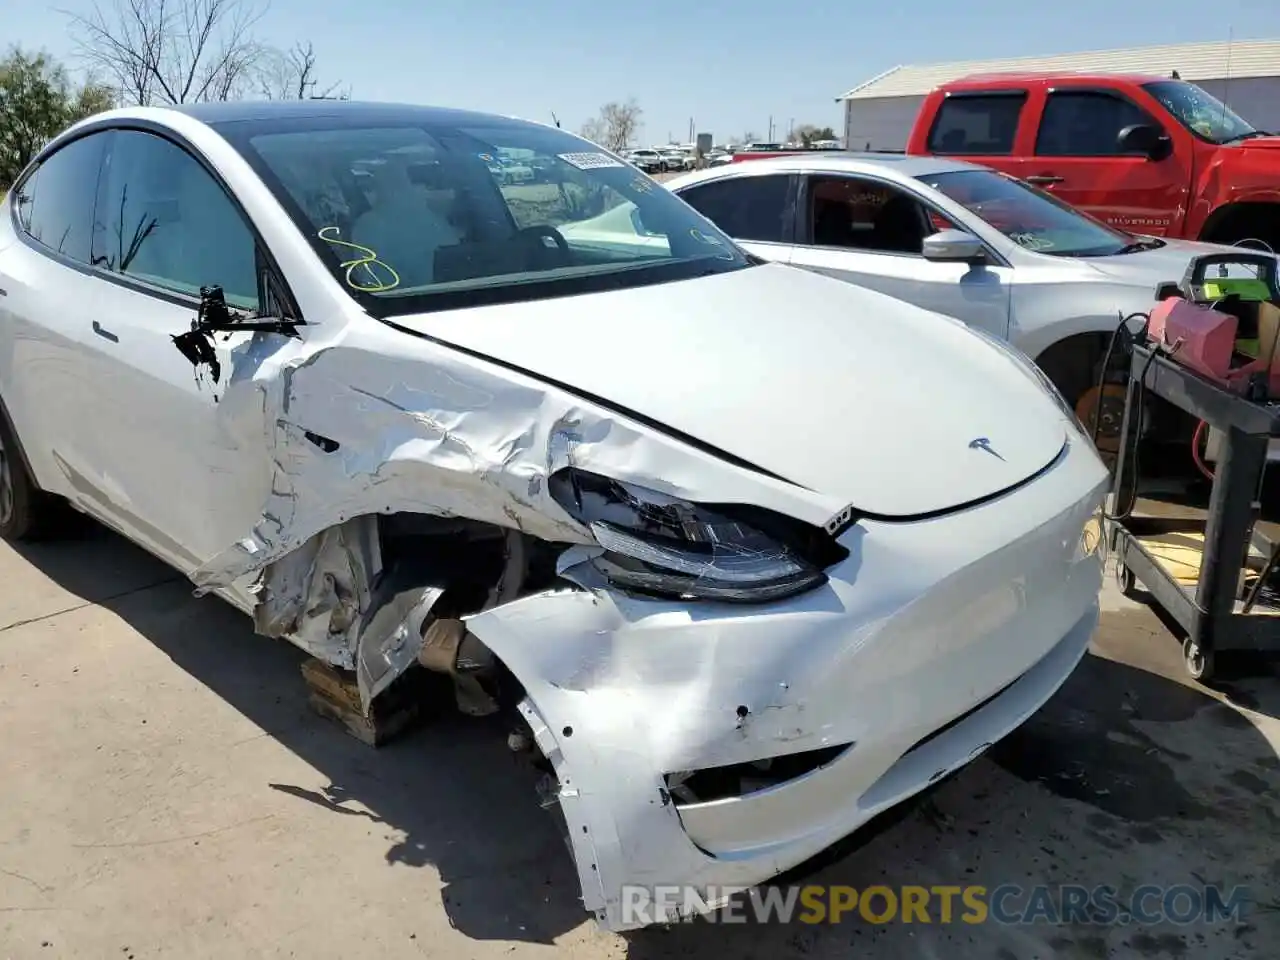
x,y
54,205
1029,217
1200,112
867,215
746,208
164,220
977,124
1079,123
412,217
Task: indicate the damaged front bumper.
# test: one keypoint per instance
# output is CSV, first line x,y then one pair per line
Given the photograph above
x,y
931,641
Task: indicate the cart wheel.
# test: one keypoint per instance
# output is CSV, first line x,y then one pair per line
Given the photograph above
x,y
1125,579
1198,661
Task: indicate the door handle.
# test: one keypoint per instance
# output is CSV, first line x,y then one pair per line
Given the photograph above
x,y
103,332
1043,178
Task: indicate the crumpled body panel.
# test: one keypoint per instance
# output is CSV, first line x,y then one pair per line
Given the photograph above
x,y
412,426
977,617
921,622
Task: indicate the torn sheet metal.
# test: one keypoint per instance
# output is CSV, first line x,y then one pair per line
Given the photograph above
x,y
359,420
411,426
320,595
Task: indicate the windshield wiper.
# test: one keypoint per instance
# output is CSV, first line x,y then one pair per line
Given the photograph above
x,y
1142,243
1246,136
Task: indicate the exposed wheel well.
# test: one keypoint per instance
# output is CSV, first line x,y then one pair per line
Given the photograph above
x,y
1236,222
1074,364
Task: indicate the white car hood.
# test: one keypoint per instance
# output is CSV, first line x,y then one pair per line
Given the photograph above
x,y
838,389
1150,268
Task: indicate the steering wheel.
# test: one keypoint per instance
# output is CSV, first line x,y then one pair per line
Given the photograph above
x,y
546,230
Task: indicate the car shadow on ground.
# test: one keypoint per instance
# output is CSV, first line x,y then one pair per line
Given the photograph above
x,y
1127,776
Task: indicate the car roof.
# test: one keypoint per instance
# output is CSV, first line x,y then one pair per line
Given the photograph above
x,y
253,111
895,166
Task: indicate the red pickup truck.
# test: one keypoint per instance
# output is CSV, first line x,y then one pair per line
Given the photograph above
x,y
1151,155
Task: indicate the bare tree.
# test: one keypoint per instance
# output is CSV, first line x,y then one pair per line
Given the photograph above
x,y
172,51
291,75
594,131
616,125
807,134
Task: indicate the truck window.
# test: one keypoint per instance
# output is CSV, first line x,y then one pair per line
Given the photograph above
x,y
1200,112
977,124
1085,123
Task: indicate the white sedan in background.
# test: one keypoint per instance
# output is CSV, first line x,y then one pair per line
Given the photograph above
x,y
755,554
959,239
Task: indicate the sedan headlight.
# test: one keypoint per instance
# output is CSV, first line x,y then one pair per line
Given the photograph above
x,y
1030,368
661,545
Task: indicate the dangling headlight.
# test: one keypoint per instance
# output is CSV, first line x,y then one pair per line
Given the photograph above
x,y
661,545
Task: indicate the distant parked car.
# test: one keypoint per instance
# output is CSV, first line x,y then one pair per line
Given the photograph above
x,y
677,159
650,161
508,171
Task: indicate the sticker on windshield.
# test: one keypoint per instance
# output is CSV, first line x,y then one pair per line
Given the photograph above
x,y
590,161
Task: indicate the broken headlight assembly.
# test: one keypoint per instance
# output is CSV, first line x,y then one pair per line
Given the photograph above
x,y
660,545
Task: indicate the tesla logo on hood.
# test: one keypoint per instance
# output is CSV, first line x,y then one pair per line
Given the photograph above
x,y
982,443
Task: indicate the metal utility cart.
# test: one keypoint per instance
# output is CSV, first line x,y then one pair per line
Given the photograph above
x,y
1220,612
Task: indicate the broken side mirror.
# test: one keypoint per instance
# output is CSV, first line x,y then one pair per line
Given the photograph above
x,y
1145,139
214,316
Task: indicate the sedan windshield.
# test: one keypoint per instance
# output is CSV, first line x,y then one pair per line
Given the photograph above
x,y
416,217
1200,112
1030,217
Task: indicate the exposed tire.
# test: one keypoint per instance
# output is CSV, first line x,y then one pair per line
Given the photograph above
x,y
1074,366
26,511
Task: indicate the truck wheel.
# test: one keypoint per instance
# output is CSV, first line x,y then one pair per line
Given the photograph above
x,y
26,511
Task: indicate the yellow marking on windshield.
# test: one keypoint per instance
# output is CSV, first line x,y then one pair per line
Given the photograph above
x,y
367,260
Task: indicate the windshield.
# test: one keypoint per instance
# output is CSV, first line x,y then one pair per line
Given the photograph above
x,y
1200,112
1028,216
412,218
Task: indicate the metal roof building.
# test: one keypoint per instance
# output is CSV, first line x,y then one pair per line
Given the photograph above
x,y
1246,73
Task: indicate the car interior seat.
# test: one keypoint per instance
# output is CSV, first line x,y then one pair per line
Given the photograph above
x,y
402,227
899,226
832,223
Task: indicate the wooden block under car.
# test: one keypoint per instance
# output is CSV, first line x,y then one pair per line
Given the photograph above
x,y
334,694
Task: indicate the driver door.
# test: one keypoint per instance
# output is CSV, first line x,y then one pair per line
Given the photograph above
x,y
173,476
1078,159
871,233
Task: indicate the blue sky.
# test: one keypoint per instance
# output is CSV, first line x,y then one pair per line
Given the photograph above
x,y
728,65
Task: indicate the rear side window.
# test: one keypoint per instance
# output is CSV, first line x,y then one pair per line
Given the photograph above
x,y
164,220
746,208
1085,124
978,124
55,204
